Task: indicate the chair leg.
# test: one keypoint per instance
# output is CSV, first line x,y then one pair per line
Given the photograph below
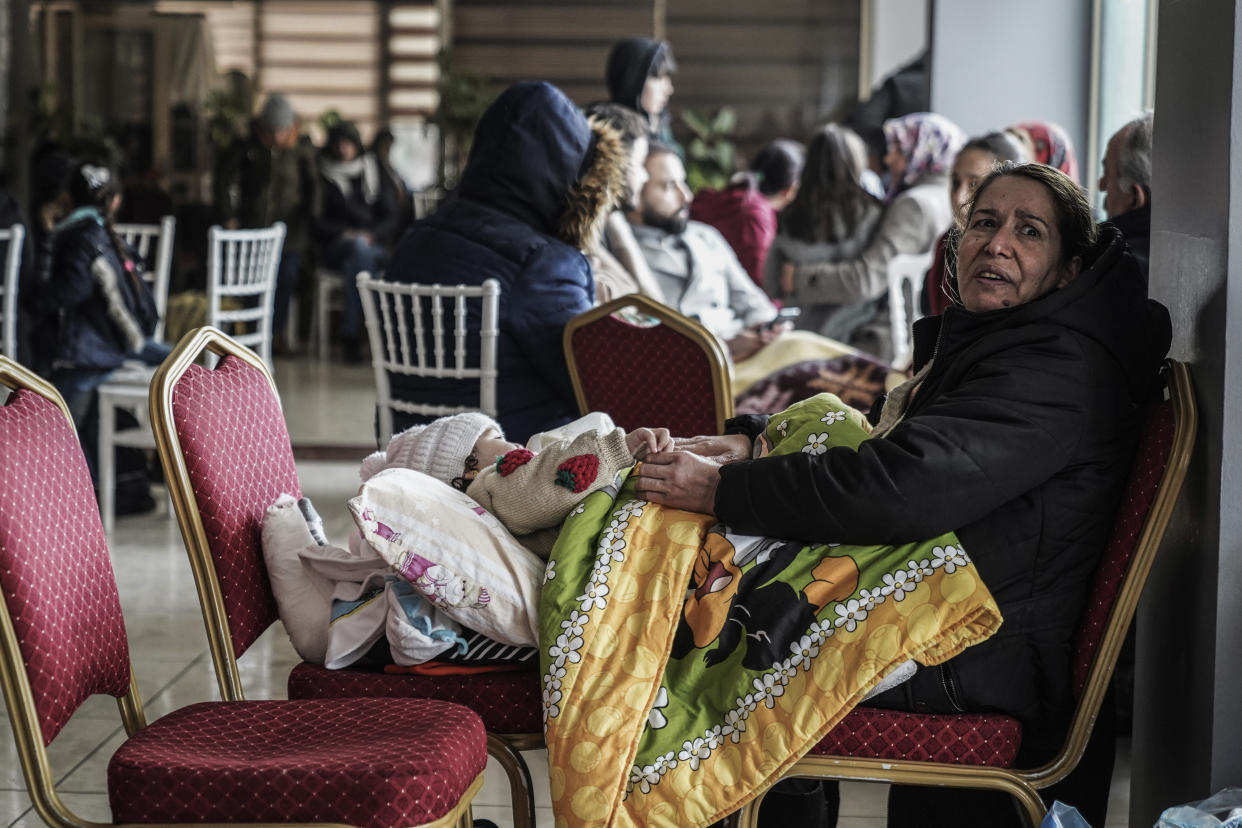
x,y
106,464
520,786
323,289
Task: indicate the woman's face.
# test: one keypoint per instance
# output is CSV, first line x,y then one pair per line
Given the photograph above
x,y
971,166
346,149
895,162
1010,252
656,93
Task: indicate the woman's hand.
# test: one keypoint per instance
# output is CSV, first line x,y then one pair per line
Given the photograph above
x,y
680,480
726,448
644,441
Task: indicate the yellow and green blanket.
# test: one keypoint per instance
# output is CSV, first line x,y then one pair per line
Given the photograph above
x,y
685,667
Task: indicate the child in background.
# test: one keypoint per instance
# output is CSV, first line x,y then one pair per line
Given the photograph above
x,y
530,493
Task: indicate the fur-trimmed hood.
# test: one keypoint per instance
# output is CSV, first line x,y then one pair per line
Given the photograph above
x,y
597,192
536,158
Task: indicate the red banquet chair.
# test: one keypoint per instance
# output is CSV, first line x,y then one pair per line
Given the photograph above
x,y
644,364
979,750
226,455
364,762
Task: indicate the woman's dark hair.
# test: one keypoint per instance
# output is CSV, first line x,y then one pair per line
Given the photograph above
x,y
1075,224
621,118
777,166
663,63
831,202
999,145
94,183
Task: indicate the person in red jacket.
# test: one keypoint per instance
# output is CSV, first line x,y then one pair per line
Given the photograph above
x,y
745,211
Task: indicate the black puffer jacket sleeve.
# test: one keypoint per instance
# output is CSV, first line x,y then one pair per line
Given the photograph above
x,y
1010,426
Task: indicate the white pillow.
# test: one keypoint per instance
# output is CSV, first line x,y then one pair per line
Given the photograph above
x,y
303,596
454,552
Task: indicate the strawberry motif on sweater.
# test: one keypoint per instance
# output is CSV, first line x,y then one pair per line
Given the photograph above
x,y
577,473
509,462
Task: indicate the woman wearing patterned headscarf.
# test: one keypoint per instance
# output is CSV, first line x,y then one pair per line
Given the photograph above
x,y
921,149
1047,143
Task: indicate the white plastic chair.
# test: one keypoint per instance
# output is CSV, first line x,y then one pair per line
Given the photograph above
x,y
241,264
14,237
126,389
397,317
241,282
158,262
906,275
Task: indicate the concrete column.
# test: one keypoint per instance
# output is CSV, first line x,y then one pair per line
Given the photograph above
x,y
995,64
1188,707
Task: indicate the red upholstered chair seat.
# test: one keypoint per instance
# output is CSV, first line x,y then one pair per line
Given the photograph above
x,y
964,739
231,762
507,702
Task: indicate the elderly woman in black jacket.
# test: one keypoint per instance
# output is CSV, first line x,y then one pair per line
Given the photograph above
x,y
1017,432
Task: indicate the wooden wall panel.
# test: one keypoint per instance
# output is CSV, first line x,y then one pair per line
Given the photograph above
x,y
782,65
564,43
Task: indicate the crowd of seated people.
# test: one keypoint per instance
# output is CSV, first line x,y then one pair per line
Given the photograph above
x,y
568,208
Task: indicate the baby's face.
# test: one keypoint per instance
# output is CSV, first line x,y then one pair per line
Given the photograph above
x,y
490,446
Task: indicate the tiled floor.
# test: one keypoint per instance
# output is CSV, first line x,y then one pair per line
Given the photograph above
x,y
326,405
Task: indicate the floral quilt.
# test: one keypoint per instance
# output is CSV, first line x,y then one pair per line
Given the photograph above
x,y
686,667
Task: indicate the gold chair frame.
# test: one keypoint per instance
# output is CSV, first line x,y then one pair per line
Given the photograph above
x,y
1023,785
15,684
721,373
198,548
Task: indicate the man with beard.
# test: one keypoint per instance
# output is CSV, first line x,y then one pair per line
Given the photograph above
x,y
695,267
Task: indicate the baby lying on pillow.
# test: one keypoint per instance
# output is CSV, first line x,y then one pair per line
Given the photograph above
x,y
530,493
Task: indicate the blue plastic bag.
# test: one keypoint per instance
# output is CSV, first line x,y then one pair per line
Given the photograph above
x,y
1061,815
1220,810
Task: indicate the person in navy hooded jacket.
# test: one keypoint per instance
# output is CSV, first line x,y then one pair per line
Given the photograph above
x,y
539,181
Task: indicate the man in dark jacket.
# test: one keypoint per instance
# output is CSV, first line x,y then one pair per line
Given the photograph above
x,y
1126,184
271,177
538,182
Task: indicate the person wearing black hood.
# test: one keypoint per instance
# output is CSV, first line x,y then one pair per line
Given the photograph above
x,y
639,75
1017,432
356,220
539,182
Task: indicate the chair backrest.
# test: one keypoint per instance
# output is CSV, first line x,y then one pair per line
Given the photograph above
x,y
225,450
62,637
1160,462
154,245
241,283
423,331
644,364
907,273
13,237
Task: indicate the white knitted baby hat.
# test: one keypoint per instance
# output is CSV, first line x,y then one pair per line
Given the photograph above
x,y
439,448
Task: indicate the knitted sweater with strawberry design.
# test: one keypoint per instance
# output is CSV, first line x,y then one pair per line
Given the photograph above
x,y
533,493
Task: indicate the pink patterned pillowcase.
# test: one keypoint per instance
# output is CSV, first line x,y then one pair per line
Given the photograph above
x,y
454,552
